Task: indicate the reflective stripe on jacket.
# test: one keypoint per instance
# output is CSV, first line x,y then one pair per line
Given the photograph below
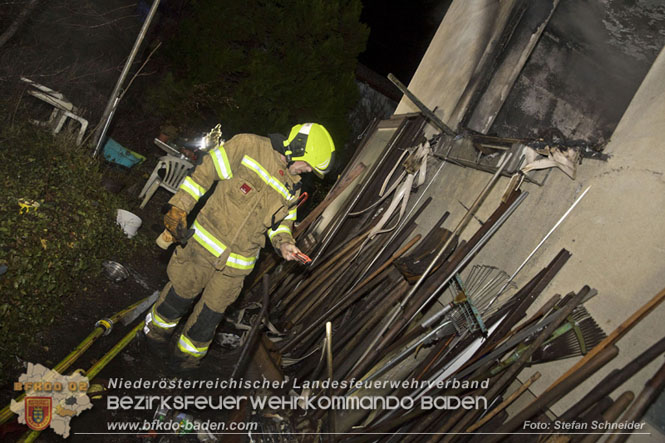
x,y
255,194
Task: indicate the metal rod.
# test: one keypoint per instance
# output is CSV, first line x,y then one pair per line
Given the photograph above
x,y
549,397
407,218
563,217
424,109
329,358
511,398
472,252
455,234
114,99
619,332
507,377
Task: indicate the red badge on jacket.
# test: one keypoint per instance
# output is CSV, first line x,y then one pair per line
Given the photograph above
x,y
245,188
281,173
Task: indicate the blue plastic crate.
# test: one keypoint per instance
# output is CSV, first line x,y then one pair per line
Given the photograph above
x,y
114,152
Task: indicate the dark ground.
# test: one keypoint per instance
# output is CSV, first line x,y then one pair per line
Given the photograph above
x,y
103,299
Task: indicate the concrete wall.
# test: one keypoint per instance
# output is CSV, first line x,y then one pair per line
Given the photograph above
x,y
457,56
615,234
584,70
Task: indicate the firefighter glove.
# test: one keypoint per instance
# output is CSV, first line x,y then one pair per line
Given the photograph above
x,y
175,221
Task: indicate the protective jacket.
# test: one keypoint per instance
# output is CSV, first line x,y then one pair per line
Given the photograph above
x,y
255,194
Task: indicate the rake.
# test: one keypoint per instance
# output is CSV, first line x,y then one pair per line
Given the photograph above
x,y
472,303
575,337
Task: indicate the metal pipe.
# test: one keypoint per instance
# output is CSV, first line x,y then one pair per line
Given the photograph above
x,y
424,109
512,371
613,380
563,217
115,95
362,186
472,252
407,218
329,359
553,395
454,235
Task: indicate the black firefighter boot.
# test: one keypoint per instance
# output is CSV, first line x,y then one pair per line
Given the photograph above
x,y
182,361
183,364
154,340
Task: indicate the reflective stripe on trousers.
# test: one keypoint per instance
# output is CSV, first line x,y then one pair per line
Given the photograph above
x,y
187,347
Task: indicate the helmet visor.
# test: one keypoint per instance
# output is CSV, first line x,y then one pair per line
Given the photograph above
x,y
322,169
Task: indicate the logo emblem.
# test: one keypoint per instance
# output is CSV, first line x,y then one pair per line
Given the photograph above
x,y
245,188
281,173
38,412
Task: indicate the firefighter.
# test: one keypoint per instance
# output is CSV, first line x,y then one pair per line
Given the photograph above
x,y
258,185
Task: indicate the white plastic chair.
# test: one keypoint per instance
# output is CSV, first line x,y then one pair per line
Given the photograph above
x,y
175,171
62,109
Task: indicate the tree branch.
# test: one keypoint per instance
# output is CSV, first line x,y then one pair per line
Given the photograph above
x,y
9,32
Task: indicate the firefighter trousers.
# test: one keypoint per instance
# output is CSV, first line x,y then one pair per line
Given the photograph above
x,y
191,271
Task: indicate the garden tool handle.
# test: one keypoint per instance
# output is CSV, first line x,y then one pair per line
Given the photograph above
x,y
302,199
303,258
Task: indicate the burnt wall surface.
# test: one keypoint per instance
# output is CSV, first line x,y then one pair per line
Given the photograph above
x,y
585,69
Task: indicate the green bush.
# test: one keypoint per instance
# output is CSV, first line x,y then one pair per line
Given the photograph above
x,y
52,253
260,67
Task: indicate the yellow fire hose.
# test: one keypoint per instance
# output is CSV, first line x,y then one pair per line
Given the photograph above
x,y
102,327
31,436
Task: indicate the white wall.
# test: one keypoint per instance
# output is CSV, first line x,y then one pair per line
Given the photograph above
x,y
456,55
